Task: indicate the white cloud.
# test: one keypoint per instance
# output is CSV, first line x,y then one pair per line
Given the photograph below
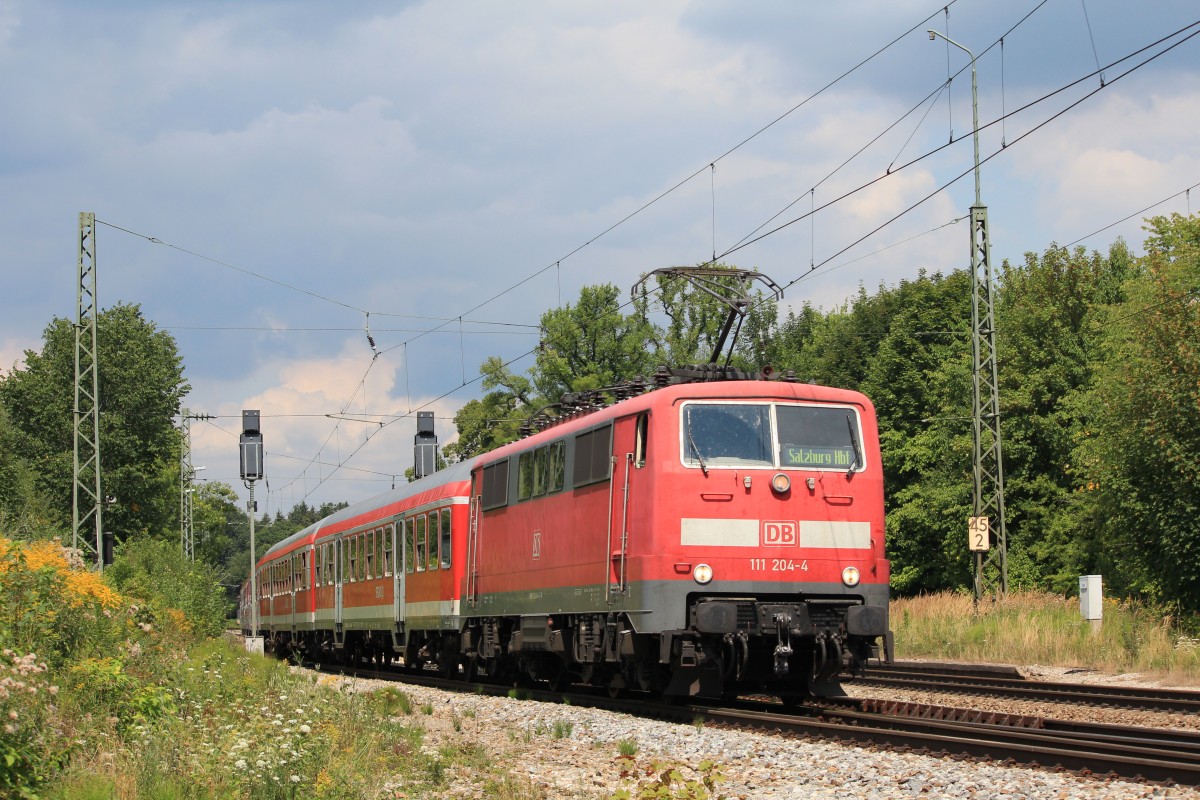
x,y
12,353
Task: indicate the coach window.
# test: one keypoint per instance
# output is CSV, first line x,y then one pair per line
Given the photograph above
x,y
368,539
387,551
420,552
352,546
445,538
364,556
380,564
409,540
556,465
433,540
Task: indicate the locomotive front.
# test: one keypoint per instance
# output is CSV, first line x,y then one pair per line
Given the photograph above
x,y
767,533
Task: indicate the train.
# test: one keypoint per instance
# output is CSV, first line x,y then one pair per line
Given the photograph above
x,y
704,535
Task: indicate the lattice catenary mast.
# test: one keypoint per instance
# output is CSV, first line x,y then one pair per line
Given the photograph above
x,y
987,515
87,502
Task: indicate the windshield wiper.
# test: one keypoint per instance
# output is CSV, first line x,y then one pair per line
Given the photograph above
x,y
854,444
695,449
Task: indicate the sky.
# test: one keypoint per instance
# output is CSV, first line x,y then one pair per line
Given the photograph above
x,y
273,181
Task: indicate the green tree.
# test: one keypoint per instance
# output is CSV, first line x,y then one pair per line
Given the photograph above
x,y
918,375
590,345
140,386
1047,347
24,510
1142,454
487,423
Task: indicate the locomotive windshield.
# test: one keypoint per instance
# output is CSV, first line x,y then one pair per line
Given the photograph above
x,y
771,435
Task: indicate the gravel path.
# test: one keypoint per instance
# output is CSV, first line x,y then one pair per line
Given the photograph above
x,y
570,752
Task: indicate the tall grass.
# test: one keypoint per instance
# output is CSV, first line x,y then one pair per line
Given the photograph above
x,y
1038,628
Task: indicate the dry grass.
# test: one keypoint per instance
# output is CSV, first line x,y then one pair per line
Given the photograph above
x,y
1036,628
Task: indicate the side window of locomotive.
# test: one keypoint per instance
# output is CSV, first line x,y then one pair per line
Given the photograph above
x,y
420,551
541,464
525,476
409,542
639,440
495,485
727,435
592,457
556,466
445,538
819,437
387,550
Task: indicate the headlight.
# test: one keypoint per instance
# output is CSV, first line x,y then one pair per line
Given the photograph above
x,y
850,576
781,483
702,573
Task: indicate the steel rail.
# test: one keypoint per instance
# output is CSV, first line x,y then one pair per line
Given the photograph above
x,y
1097,694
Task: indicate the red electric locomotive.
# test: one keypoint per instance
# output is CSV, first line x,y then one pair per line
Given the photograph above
x,y
699,538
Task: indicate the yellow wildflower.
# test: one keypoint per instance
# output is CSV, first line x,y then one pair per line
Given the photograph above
x,y
82,585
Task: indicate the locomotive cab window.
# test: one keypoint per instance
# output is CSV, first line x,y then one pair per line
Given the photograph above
x,y
819,437
727,435
771,435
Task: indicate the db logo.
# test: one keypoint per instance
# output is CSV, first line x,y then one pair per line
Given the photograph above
x,y
780,534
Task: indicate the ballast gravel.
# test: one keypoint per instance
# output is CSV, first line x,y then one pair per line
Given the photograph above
x,y
561,751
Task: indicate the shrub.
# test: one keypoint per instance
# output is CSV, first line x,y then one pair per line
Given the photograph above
x,y
30,750
157,572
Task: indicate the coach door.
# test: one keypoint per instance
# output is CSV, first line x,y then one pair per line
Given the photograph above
x,y
339,575
400,558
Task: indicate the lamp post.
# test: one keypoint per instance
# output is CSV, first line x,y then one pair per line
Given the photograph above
x,y
988,464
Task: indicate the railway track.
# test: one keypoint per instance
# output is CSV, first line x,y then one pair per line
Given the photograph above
x,y
1006,682
1100,750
